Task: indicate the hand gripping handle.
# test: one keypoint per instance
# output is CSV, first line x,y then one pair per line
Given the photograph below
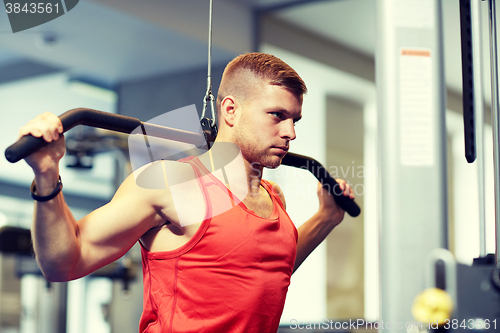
x,y
319,171
119,123
28,144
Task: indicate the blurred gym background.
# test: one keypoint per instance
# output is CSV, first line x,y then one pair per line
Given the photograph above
x,y
145,58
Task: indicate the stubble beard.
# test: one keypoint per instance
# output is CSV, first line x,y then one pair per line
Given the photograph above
x,y
255,156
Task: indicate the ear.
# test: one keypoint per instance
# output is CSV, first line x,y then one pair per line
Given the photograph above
x,y
228,110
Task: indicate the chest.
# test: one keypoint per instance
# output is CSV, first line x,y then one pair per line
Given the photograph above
x,y
261,204
190,208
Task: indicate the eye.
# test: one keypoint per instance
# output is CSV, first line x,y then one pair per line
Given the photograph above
x,y
277,114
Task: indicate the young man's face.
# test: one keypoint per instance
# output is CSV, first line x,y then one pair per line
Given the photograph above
x,y
266,124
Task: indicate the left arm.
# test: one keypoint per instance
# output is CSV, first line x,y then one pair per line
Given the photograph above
x,y
315,230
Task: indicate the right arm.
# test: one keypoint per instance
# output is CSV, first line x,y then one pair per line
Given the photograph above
x,y
67,249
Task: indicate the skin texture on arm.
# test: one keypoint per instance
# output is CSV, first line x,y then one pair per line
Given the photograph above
x,y
318,227
67,249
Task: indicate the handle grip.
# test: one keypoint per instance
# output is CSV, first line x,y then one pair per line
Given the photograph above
x,y
81,116
119,123
319,171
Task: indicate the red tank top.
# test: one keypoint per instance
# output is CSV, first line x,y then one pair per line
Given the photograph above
x,y
231,276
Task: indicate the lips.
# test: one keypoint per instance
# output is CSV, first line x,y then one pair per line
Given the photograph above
x,y
283,149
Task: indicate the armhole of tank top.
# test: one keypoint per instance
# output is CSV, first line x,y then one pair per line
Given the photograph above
x,y
270,189
272,192
198,234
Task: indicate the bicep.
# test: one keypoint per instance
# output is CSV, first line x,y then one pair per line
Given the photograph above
x,y
110,231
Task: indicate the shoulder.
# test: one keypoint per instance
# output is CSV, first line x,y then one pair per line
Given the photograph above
x,y
162,174
142,185
278,191
149,187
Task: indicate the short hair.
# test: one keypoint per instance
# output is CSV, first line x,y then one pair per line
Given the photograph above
x,y
238,74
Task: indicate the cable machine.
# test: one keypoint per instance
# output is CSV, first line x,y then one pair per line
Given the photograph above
x,y
124,124
420,279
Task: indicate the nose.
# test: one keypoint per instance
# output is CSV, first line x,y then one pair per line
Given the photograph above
x,y
288,130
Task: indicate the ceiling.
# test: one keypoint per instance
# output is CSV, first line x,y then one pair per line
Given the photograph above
x,y
120,40
101,42
335,20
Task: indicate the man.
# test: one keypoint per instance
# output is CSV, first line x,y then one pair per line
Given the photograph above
x,y
224,272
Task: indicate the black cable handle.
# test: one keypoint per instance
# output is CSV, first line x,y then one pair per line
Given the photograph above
x,y
114,122
28,144
319,171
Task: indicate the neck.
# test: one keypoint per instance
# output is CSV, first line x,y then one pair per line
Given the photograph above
x,y
254,176
227,155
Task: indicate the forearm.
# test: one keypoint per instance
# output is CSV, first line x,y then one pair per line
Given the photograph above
x,y
54,232
313,232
